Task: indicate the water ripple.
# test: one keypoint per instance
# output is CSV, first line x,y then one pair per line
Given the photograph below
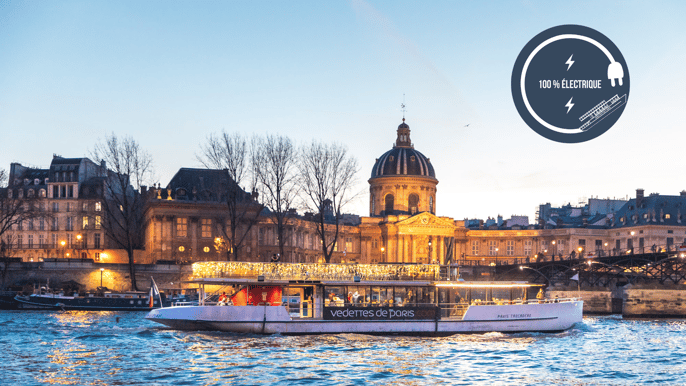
x,y
82,348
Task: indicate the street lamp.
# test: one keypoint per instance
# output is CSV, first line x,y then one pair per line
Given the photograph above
x,y
580,249
496,256
79,241
63,243
101,269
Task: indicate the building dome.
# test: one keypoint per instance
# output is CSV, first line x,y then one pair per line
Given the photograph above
x,y
403,180
403,159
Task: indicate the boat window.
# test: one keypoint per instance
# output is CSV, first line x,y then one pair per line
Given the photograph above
x,y
335,296
518,294
400,295
382,296
425,295
358,295
501,295
479,295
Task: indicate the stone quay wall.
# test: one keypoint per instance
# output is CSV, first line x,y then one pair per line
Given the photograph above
x,y
115,277
651,302
630,301
595,302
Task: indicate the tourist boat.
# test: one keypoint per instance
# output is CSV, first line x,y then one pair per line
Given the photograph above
x,y
408,300
102,301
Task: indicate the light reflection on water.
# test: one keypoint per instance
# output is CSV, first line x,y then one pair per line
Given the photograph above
x,y
105,348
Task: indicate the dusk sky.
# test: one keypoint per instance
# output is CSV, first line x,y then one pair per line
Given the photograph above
x,y
170,73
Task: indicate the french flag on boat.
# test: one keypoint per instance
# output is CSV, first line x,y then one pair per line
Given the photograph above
x,y
154,291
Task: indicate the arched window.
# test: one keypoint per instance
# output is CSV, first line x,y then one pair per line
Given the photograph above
x,y
431,204
389,203
413,203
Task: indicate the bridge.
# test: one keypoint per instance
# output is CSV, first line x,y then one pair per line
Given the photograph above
x,y
662,266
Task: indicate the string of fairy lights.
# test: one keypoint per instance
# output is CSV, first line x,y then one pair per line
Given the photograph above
x,y
314,271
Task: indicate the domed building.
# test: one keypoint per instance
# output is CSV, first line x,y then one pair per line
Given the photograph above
x,y
403,226
403,180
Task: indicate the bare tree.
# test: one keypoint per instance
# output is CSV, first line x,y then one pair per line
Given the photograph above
x,y
327,177
231,153
13,210
274,161
127,168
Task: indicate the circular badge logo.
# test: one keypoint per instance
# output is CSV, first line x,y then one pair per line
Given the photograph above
x,y
570,83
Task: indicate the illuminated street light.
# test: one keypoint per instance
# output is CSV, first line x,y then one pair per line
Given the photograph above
x,y
101,269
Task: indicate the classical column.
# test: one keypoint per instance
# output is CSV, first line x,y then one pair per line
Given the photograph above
x,y
413,249
441,250
399,242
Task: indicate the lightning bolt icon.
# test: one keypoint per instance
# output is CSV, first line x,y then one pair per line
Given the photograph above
x,y
569,62
569,104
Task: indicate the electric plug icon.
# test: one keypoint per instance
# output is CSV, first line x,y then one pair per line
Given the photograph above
x,y
615,71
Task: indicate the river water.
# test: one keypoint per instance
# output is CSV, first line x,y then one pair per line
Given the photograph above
x,y
122,348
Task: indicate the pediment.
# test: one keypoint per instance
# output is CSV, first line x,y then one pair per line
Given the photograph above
x,y
426,219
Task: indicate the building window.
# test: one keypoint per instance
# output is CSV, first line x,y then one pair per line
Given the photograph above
x,y
206,227
510,247
528,247
97,256
69,208
54,240
96,241
30,222
475,248
261,236
349,244
54,226
55,206
70,223
431,204
85,222
98,206
98,222
413,203
492,246
30,241
71,191
20,241
389,203
85,207
70,240
667,216
41,224
41,241
181,227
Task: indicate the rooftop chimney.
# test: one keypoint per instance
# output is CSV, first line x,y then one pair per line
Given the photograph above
x,y
639,197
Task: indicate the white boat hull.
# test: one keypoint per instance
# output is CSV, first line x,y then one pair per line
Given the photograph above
x,y
543,317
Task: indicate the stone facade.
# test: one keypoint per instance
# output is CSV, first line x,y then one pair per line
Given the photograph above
x,y
68,197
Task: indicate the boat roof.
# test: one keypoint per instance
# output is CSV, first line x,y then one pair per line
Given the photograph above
x,y
383,283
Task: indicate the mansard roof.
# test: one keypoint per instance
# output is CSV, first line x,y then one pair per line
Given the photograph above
x,y
655,209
